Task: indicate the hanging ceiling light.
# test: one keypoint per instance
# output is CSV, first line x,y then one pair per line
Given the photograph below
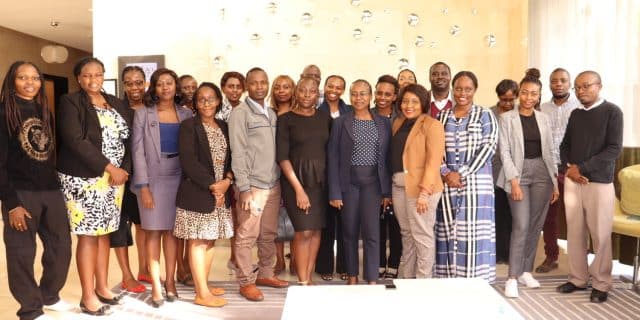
x,y
54,54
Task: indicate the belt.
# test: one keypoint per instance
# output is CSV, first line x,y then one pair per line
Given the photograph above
x,y
169,155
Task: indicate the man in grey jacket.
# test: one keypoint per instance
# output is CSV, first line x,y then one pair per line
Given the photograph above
x,y
252,135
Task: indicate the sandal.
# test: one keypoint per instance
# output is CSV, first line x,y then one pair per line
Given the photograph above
x,y
326,277
344,276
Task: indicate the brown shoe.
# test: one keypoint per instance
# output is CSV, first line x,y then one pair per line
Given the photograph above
x,y
272,282
251,292
547,266
214,302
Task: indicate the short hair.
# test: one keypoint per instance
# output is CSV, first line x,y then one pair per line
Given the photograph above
x,y
467,74
387,78
252,70
132,68
505,86
231,74
560,70
150,96
185,76
361,81
344,83
420,91
591,72
211,86
439,63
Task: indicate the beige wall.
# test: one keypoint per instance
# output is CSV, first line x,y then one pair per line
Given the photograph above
x,y
203,33
19,46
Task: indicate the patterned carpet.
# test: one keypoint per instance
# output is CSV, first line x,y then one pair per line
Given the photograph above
x,y
546,303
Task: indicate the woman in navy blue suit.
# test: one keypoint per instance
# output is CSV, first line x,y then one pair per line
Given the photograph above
x,y
359,179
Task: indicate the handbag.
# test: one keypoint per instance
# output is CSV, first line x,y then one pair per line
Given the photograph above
x,y
285,227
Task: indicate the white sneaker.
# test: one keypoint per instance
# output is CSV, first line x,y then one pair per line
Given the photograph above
x,y
59,306
511,288
527,279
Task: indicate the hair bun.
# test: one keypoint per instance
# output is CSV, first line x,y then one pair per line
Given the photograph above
x,y
532,73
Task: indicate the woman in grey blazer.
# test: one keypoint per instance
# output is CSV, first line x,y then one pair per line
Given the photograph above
x,y
157,174
528,176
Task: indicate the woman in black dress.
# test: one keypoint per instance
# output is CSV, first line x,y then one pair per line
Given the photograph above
x,y
302,138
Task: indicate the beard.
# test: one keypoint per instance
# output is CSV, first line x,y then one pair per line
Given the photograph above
x,y
561,96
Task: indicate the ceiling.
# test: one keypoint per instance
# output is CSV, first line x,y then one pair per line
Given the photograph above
x,y
34,17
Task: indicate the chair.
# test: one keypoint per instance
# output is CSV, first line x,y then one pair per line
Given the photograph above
x,y
626,218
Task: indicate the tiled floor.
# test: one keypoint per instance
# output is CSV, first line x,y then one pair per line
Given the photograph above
x,y
219,272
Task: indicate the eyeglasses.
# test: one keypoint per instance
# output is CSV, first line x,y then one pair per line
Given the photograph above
x,y
584,87
27,78
131,84
210,101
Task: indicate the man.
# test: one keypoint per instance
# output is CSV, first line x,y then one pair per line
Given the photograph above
x,y
589,149
252,133
313,71
386,93
440,79
188,86
558,110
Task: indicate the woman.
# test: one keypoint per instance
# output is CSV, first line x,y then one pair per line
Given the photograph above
x,y
507,92
282,101
232,85
529,177
406,77
187,85
30,193
203,213
133,80
359,179
301,152
93,165
465,228
334,106
157,175
417,149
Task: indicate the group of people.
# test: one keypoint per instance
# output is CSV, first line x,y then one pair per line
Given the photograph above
x,y
453,186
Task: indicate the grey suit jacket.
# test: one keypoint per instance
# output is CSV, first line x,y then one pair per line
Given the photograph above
x,y
512,147
145,145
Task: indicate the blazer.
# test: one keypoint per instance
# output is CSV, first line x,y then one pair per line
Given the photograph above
x,y
145,145
340,150
422,155
197,167
79,136
512,147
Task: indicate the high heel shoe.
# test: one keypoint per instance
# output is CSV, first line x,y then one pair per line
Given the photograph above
x,y
113,301
157,303
102,311
171,296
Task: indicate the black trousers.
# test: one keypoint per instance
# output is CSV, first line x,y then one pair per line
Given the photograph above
x,y
50,222
503,225
331,232
389,229
360,216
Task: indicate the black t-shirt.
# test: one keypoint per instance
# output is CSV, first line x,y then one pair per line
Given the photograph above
x,y
27,159
531,134
398,141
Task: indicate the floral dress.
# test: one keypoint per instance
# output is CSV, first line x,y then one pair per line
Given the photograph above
x,y
93,204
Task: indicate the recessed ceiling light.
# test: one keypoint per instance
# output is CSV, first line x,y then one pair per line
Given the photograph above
x,y
54,23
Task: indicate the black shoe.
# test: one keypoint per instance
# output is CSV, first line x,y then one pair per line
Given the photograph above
x,y
598,296
102,311
113,301
569,287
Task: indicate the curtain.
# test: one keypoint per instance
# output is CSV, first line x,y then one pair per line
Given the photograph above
x,y
594,35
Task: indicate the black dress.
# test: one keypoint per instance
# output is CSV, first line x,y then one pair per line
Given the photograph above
x,y
303,141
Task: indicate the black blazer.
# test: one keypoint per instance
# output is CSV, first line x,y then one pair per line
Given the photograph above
x,y
79,135
340,149
197,167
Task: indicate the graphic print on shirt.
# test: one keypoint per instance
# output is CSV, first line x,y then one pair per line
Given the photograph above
x,y
34,140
